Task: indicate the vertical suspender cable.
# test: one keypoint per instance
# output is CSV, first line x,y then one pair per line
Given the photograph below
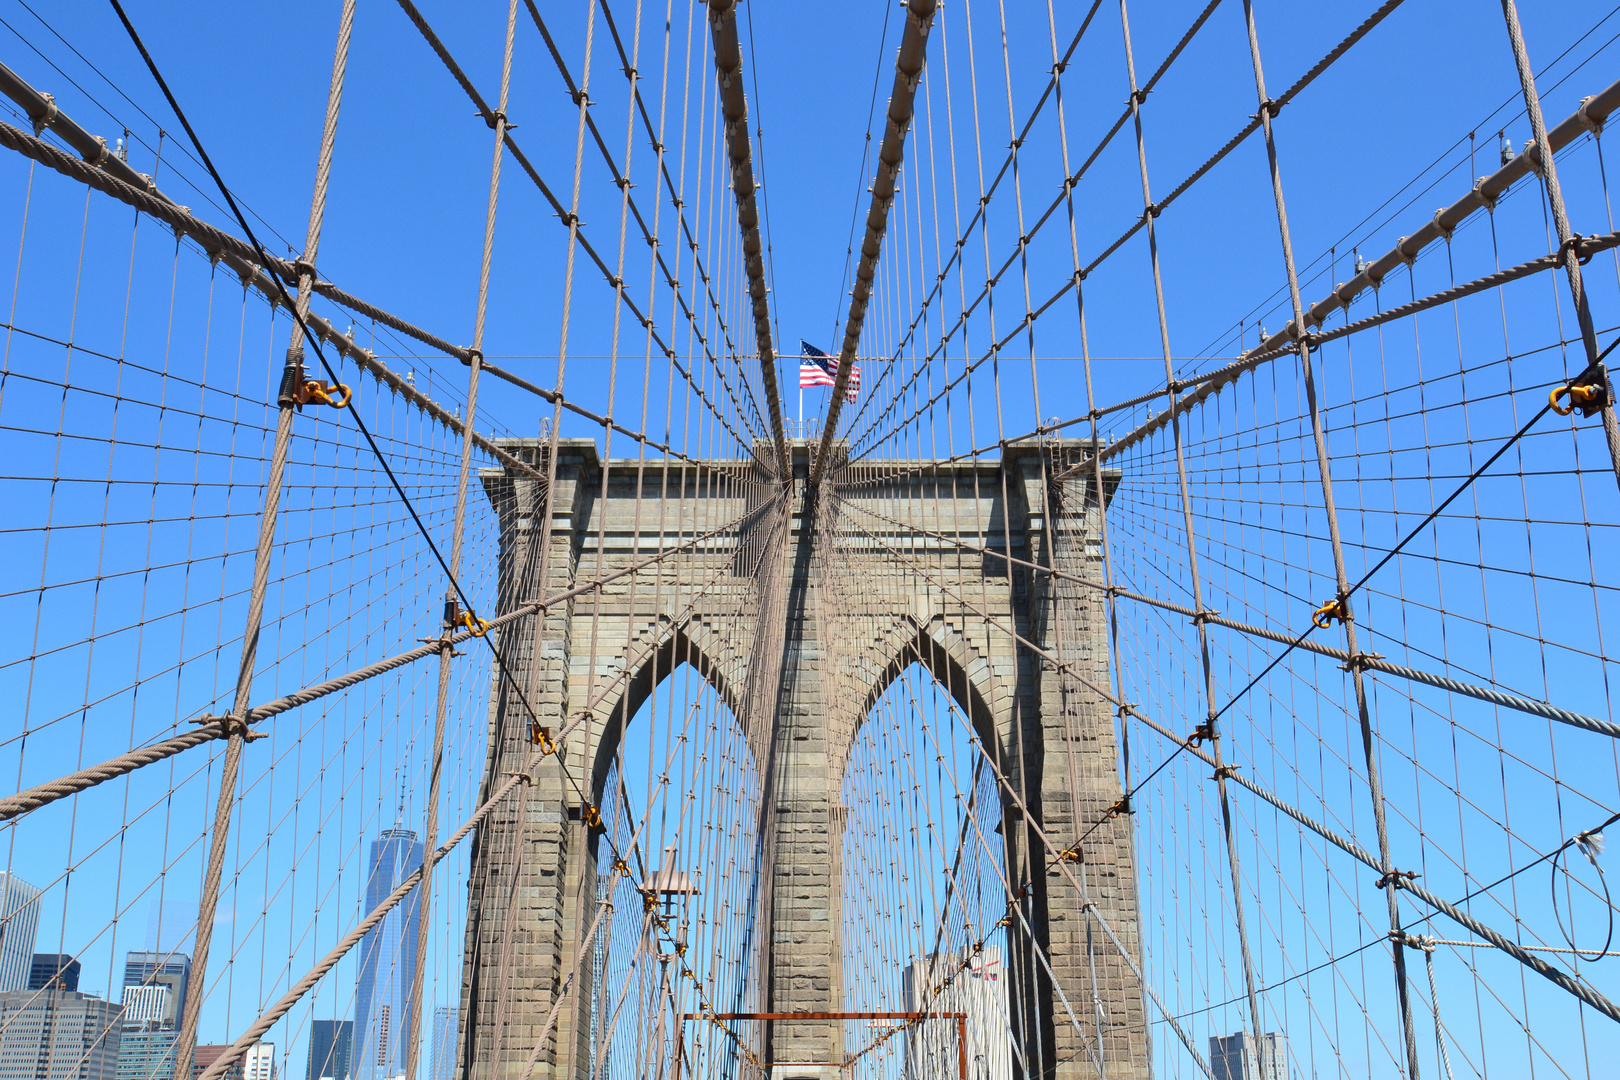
x,y
1555,200
430,831
292,376
1342,598
1211,726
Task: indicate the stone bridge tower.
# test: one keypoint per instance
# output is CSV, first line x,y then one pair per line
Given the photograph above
x,y
800,638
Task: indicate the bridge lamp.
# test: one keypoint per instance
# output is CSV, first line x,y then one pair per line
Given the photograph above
x,y
663,893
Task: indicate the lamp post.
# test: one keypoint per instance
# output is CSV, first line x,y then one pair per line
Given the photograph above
x,y
663,894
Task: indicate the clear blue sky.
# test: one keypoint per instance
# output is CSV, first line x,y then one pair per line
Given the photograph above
x,y
405,218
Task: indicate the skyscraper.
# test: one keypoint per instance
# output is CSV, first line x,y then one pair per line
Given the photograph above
x,y
446,1032
58,967
19,923
330,1044
1245,1057
154,996
259,1063
147,1055
154,989
57,1035
382,1020
954,983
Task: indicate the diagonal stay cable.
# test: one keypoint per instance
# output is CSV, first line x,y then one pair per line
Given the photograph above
x,y
1593,370
315,343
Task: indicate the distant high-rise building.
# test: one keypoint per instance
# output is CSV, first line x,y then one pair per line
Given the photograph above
x,y
259,1063
208,1054
446,1035
954,983
330,1044
19,922
382,1018
154,989
147,1055
57,1035
58,967
1244,1057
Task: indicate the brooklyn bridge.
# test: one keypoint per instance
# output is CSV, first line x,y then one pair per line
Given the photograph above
x,y
503,593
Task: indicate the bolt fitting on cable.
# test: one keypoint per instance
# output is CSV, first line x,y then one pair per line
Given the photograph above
x,y
292,377
1398,879
467,355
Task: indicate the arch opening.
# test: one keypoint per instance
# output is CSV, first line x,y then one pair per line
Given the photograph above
x,y
928,894
675,872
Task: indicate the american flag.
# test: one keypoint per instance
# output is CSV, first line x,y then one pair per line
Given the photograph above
x,y
817,368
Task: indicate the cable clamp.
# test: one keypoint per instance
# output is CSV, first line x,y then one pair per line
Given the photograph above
x,y
292,377
1138,96
1199,618
1412,941
1201,734
1574,244
1225,772
43,122
1075,854
621,867
321,392
1398,879
540,735
496,115
467,355
1329,613
1270,107
303,268
230,725
1588,121
590,816
1153,211
1590,398
1005,920
1121,808
472,622
1445,232
1360,661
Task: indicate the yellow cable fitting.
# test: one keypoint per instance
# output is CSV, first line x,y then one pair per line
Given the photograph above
x,y
1328,614
1588,397
590,815
471,622
621,867
540,736
320,392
